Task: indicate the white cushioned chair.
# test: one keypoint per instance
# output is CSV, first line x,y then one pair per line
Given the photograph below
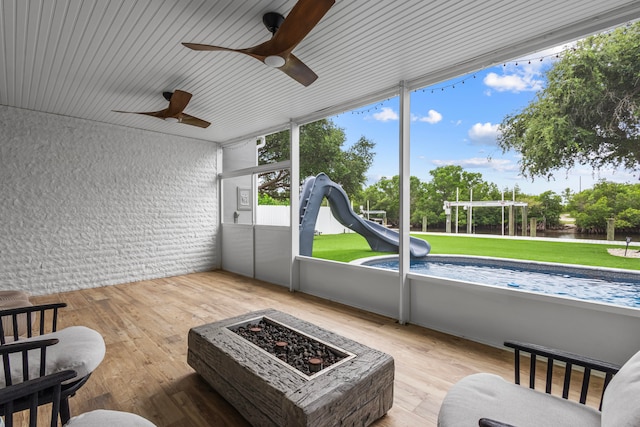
x,y
487,400
77,348
29,394
104,417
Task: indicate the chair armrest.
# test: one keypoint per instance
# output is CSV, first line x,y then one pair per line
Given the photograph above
x,y
26,348
25,388
564,356
568,359
18,346
487,422
28,395
38,312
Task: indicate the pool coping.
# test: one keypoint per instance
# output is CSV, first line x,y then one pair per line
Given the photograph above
x,y
546,267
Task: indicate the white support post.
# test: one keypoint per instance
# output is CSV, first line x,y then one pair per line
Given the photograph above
x,y
294,275
470,212
219,165
405,206
457,200
502,213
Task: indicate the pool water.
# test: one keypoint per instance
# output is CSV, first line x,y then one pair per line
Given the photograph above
x,y
590,285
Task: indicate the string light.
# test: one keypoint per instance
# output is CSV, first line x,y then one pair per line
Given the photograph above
x,y
515,63
463,80
450,85
373,107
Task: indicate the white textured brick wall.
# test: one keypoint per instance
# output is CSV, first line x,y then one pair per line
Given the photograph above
x,y
86,204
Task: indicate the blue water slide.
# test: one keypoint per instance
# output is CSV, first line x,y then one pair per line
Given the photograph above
x,y
380,238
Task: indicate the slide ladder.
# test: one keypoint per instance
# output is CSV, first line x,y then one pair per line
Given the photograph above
x,y
380,238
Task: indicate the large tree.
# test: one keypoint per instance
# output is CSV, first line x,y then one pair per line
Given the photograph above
x,y
591,208
589,111
320,151
385,195
546,207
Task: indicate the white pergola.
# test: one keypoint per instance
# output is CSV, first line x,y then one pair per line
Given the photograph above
x,y
469,205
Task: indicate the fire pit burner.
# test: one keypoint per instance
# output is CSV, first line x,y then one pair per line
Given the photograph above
x,y
298,350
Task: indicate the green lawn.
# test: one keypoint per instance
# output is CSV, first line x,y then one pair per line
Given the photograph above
x,y
347,247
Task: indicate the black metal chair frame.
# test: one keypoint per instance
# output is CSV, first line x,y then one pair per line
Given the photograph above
x,y
45,324
554,356
31,394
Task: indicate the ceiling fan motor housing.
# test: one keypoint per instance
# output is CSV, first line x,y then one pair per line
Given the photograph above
x,y
272,20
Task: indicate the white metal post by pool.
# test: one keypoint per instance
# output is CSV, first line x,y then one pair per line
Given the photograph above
x,y
457,200
405,178
470,213
502,213
294,204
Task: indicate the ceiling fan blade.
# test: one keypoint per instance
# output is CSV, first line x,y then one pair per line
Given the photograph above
x,y
159,114
252,51
304,16
194,121
198,46
298,71
178,102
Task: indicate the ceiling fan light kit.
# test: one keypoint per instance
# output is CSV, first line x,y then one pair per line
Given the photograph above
x,y
274,61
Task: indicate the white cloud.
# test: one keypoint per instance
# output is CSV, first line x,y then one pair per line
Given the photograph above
x,y
484,133
432,117
527,75
499,165
386,115
524,74
511,83
372,179
606,173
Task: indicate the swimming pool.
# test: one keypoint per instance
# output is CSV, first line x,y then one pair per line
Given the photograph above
x,y
611,286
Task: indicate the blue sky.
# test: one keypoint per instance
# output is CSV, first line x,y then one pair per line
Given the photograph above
x,y
457,123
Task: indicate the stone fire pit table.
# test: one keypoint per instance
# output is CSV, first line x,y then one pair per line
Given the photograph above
x,y
267,392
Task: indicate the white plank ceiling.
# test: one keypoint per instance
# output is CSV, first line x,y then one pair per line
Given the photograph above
x,y
84,58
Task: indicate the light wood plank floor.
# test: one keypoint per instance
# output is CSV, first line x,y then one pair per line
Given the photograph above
x,y
145,327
